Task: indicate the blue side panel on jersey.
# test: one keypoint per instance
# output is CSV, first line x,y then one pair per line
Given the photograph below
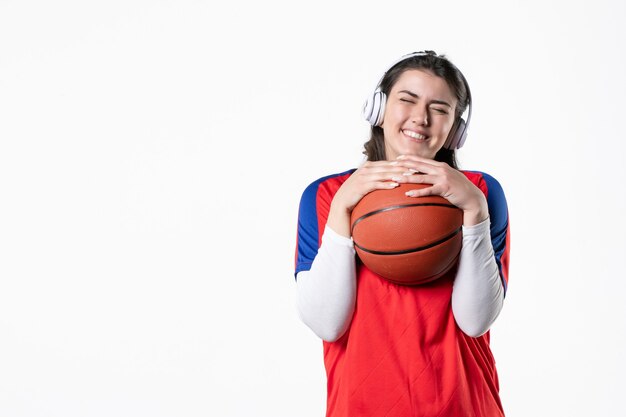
x,y
308,230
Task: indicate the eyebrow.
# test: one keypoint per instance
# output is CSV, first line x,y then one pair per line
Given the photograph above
x,y
432,101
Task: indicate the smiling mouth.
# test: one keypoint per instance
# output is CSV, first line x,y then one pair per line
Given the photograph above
x,y
414,135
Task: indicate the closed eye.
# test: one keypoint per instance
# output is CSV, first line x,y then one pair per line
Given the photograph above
x,y
406,100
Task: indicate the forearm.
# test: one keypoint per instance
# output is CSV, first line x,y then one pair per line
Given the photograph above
x,y
478,294
326,293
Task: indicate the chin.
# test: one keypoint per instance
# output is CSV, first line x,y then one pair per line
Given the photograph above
x,y
428,155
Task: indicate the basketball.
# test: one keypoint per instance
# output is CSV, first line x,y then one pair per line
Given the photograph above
x,y
407,240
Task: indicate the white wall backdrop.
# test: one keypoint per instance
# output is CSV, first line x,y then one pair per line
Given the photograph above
x,y
152,156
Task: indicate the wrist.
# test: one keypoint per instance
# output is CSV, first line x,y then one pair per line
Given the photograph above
x,y
475,215
339,220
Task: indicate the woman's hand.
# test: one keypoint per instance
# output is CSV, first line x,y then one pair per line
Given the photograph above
x,y
448,183
368,177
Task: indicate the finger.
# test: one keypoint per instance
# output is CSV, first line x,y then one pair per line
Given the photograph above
x,y
379,185
371,164
423,192
417,158
421,179
418,166
377,166
385,173
385,185
379,179
398,177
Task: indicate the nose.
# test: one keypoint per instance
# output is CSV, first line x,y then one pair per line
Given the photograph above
x,y
419,115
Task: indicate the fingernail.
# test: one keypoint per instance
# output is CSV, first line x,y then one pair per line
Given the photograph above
x,y
393,184
410,194
409,172
394,163
398,179
401,157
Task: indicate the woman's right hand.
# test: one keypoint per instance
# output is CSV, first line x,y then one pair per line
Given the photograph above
x,y
368,177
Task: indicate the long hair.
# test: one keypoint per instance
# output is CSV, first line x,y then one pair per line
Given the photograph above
x,y
440,66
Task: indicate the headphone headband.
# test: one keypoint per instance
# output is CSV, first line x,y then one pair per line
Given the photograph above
x,y
374,107
404,58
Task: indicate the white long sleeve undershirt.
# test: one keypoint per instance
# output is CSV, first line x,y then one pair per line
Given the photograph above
x,y
326,294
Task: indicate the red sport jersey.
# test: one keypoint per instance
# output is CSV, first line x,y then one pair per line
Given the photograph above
x,y
403,354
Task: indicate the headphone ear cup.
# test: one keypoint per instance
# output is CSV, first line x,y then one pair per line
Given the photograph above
x,y
457,135
462,135
374,108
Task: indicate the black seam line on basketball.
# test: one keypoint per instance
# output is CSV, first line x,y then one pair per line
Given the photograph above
x,y
399,206
402,252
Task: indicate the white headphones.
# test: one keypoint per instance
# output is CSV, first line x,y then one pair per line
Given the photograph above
x,y
374,107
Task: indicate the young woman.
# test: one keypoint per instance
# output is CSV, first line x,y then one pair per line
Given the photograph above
x,y
394,350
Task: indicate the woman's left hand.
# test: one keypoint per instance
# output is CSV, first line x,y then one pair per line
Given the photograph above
x,y
447,182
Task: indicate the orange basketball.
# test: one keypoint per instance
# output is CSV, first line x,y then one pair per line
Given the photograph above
x,y
407,240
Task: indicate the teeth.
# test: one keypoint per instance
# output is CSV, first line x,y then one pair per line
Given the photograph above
x,y
414,135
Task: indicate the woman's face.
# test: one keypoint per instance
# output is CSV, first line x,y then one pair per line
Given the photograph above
x,y
418,115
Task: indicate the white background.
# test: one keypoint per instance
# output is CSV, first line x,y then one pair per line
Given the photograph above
x,y
152,158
